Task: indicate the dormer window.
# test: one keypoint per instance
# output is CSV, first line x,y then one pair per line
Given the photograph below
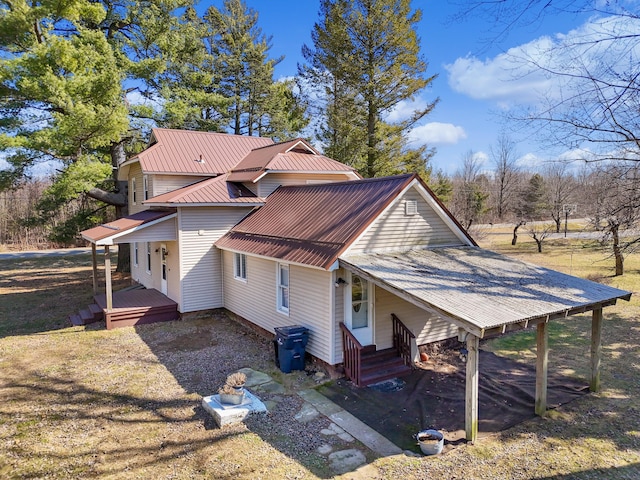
x,y
133,191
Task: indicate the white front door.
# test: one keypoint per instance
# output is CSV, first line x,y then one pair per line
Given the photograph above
x,y
163,268
358,308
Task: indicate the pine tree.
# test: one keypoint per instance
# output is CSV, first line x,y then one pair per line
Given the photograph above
x,y
244,75
65,71
364,62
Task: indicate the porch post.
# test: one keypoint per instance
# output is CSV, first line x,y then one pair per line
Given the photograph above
x,y
471,391
94,264
542,356
596,349
107,277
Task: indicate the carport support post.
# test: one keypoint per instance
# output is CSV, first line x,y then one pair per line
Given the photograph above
x,y
107,277
542,352
596,349
94,264
471,392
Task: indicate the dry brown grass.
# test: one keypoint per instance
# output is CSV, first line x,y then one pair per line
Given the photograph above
x,y
90,403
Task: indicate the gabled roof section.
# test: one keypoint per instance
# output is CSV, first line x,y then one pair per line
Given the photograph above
x,y
210,192
314,224
293,155
127,224
187,152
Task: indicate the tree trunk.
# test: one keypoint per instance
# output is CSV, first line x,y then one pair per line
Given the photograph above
x,y
539,243
617,251
514,240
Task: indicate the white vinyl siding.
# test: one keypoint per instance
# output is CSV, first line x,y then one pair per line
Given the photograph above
x,y
135,189
162,231
395,230
200,268
168,183
310,298
270,182
425,326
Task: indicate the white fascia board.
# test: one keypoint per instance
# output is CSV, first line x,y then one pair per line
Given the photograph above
x,y
350,173
444,216
306,146
109,240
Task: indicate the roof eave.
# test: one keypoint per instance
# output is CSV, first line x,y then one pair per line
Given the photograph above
x,y
109,239
207,204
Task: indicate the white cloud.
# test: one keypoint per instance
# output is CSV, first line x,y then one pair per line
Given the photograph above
x,y
549,67
436,133
503,78
404,110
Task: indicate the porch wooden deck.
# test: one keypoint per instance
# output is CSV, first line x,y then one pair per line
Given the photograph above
x,y
136,307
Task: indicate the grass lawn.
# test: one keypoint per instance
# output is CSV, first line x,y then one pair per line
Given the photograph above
x,y
83,402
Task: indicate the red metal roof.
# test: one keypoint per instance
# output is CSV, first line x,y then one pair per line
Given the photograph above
x,y
124,224
313,224
196,153
210,191
295,155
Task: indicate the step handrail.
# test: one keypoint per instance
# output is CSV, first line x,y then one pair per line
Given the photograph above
x,y
351,355
402,338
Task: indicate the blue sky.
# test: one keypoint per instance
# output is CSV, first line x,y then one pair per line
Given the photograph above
x,y
473,82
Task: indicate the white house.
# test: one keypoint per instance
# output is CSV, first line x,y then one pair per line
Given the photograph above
x,y
279,235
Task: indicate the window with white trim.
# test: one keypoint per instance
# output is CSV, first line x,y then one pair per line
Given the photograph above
x,y
283,288
135,254
133,191
145,187
240,266
148,257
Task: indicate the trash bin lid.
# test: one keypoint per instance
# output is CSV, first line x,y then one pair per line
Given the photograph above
x,y
291,330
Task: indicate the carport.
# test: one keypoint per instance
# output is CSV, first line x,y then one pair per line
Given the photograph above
x,y
485,293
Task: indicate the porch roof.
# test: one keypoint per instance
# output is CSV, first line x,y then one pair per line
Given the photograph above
x,y
108,233
480,290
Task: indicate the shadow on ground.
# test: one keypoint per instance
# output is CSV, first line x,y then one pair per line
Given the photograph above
x,y
434,398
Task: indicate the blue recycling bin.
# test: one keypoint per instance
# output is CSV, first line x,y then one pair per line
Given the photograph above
x,y
291,344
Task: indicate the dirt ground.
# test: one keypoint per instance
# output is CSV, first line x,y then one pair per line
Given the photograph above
x,y
83,402
433,397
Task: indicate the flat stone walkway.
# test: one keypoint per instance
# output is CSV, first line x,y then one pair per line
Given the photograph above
x,y
343,425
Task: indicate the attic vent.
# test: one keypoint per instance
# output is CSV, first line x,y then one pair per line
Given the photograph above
x,y
200,160
411,207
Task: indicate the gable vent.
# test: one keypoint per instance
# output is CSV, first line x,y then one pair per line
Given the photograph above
x,y
411,207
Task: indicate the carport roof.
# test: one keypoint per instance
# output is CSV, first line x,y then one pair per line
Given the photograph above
x,y
480,290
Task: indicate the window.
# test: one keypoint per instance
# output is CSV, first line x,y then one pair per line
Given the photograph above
x,y
133,191
145,186
283,288
135,254
240,266
148,257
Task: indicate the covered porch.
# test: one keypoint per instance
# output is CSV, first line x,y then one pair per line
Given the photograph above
x,y
135,305
483,293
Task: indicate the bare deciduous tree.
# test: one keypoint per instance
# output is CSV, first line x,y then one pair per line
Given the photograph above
x,y
504,157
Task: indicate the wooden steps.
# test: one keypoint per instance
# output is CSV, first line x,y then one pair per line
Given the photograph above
x,y
93,313
381,365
